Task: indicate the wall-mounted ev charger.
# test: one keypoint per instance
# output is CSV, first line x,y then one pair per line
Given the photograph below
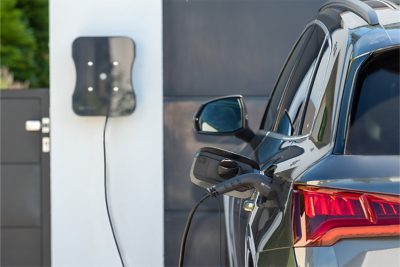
x,y
104,87
103,76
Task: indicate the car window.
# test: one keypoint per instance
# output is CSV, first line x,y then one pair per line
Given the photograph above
x,y
375,113
272,109
293,101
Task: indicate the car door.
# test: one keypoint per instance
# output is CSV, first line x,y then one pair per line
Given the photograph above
x,y
236,218
278,157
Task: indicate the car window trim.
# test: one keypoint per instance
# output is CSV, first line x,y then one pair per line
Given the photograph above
x,y
329,49
281,72
327,38
285,89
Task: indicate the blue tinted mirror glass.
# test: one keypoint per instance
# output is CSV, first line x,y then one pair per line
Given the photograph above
x,y
221,116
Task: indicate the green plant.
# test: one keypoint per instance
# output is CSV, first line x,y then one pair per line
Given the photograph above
x,y
24,41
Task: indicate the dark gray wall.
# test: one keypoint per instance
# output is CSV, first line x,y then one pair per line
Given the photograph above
x,y
214,48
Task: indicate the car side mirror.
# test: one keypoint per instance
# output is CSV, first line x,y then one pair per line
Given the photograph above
x,y
223,116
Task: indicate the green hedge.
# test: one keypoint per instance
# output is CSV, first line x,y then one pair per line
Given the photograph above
x,y
24,38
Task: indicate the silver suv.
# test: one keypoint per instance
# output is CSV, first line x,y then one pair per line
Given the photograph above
x,y
328,147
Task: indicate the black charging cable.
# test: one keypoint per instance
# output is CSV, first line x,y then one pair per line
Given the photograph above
x,y
263,184
105,189
187,226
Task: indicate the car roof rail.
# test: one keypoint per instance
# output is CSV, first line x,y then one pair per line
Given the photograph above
x,y
366,12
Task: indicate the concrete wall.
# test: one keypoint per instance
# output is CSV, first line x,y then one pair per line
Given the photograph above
x,y
80,231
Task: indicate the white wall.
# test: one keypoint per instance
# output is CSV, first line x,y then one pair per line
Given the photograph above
x,y
81,234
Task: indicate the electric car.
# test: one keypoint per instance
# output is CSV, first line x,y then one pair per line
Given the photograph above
x,y
328,144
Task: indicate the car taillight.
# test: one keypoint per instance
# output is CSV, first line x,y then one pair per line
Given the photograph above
x,y
322,216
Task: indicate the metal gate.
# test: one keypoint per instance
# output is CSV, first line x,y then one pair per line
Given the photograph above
x,y
25,178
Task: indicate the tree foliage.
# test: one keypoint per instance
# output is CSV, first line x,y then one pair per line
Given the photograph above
x,y
24,40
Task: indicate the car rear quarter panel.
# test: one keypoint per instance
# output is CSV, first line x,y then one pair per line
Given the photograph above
x,y
352,252
373,174
377,174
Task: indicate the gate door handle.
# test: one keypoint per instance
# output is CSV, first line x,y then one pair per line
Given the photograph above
x,y
37,125
33,125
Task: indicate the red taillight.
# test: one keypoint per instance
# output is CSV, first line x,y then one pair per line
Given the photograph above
x,y
322,216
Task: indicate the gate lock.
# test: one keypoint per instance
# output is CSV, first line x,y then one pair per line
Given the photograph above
x,y
44,127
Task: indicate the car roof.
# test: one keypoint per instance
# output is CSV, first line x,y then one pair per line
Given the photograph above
x,y
371,25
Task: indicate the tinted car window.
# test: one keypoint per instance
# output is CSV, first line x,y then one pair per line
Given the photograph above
x,y
374,120
292,60
293,100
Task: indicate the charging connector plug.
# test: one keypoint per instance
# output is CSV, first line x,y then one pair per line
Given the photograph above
x,y
263,184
